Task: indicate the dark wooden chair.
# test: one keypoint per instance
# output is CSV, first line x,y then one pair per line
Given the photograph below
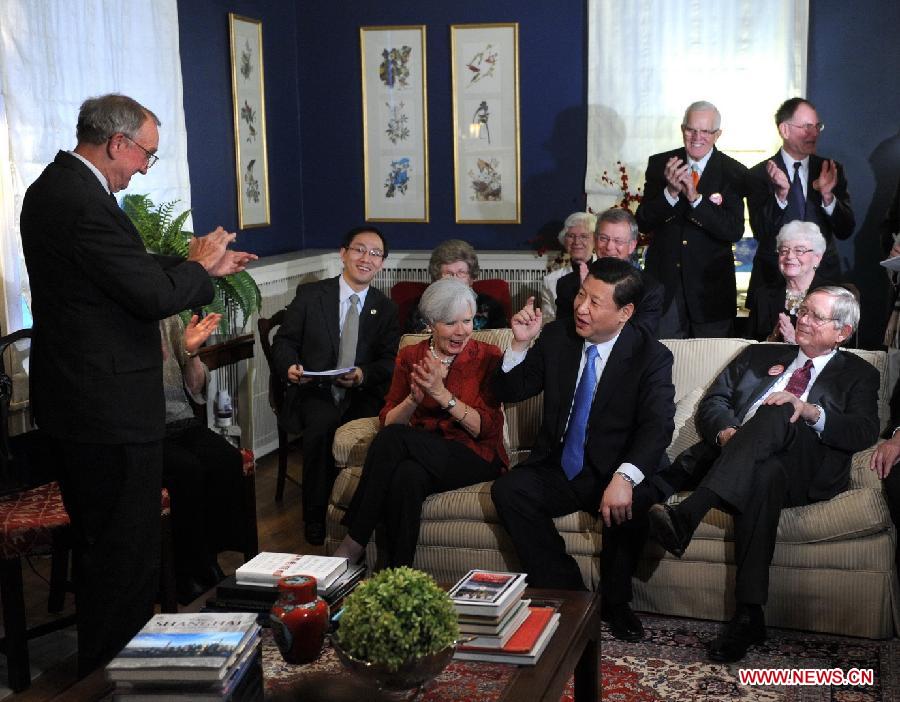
x,y
267,327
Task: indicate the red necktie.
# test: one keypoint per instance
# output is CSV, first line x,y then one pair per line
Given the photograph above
x,y
695,174
799,379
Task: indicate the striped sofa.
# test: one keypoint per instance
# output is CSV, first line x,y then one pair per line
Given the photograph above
x,y
833,564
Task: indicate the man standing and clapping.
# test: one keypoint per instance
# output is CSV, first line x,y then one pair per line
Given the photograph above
x,y
96,360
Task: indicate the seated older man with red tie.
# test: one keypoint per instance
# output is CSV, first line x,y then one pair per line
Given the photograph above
x,y
779,426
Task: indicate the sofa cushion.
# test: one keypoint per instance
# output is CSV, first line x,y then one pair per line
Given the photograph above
x,y
850,515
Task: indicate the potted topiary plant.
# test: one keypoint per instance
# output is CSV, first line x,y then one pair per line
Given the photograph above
x,y
163,233
398,629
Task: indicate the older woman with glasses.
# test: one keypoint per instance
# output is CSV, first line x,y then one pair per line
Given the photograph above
x,y
577,238
441,429
800,246
456,258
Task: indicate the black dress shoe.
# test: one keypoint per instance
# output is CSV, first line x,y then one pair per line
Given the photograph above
x,y
743,631
209,575
187,589
314,533
665,530
623,623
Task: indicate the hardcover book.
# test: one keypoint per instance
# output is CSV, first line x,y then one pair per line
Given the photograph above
x,y
185,647
267,568
486,593
526,645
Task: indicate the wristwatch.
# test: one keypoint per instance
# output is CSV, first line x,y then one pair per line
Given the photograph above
x,y
451,403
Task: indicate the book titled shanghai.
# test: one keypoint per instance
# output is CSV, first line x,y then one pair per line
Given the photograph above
x,y
185,647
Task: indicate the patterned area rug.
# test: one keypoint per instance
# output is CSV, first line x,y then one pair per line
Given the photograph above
x,y
461,681
670,665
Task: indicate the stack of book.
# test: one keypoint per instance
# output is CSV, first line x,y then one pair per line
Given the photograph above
x,y
257,591
186,657
268,568
497,624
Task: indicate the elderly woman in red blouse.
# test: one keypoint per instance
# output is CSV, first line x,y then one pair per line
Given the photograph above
x,y
441,428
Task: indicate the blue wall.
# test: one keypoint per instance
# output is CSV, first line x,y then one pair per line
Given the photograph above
x,y
552,116
206,74
852,78
314,117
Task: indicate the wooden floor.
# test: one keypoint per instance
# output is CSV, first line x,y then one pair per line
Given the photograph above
x,y
280,529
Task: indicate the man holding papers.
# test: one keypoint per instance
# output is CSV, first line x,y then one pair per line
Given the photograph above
x,y
331,324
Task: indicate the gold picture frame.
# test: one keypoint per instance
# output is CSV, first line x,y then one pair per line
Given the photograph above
x,y
249,103
486,157
395,123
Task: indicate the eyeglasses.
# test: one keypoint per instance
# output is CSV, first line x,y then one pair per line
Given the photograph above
x,y
361,250
797,251
583,238
818,126
151,158
690,131
603,239
461,275
812,317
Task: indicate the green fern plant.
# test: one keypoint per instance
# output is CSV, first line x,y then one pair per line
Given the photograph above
x,y
163,233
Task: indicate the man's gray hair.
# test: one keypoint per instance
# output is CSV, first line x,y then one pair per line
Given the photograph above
x,y
844,306
703,106
101,117
798,230
451,251
585,219
444,299
617,215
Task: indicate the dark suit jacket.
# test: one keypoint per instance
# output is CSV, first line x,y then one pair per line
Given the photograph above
x,y
847,389
631,417
310,336
646,314
693,244
97,297
767,219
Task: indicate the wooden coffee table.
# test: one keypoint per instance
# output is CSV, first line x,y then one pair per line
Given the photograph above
x,y
574,648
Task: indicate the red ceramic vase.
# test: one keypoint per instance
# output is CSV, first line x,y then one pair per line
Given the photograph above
x,y
299,619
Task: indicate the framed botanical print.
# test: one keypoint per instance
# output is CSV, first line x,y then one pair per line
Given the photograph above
x,y
485,72
248,95
395,123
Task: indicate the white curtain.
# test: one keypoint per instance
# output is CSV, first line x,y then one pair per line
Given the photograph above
x,y
53,55
649,59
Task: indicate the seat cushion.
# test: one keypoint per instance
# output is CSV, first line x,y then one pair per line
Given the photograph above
x,y
28,518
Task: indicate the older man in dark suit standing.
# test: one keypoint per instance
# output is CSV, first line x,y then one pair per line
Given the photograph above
x,y
96,383
794,184
693,207
332,324
779,426
608,409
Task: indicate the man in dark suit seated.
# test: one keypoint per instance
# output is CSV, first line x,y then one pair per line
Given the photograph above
x,y
616,235
779,426
795,184
693,206
608,409
332,324
96,362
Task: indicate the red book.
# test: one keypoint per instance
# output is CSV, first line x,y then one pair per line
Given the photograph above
x,y
526,635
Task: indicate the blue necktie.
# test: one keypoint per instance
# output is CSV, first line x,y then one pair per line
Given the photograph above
x,y
573,448
795,194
